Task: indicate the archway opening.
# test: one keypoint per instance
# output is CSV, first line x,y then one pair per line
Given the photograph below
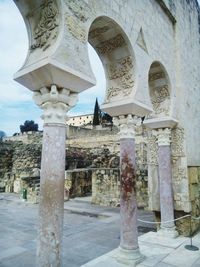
x,y
117,57
159,87
87,98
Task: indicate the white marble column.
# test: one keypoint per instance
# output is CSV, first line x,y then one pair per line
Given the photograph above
x,y
129,249
165,178
55,103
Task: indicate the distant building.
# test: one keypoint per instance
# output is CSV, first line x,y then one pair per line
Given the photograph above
x,y
81,121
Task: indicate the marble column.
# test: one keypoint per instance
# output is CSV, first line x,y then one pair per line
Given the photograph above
x,y
129,248
165,178
55,104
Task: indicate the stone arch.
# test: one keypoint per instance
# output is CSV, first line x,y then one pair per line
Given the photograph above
x,y
160,90
117,56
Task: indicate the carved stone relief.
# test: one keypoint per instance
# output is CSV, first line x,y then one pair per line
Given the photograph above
x,y
46,29
124,90
160,98
111,44
120,67
152,150
179,170
156,76
98,31
75,29
121,70
178,142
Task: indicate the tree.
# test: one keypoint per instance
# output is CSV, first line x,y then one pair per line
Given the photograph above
x,y
97,114
29,126
106,118
2,134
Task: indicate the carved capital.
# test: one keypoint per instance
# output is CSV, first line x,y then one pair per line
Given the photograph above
x,y
127,125
163,136
55,103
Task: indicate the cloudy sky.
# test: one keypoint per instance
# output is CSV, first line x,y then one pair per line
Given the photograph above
x,y
16,104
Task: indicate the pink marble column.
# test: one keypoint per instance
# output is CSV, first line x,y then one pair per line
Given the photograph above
x,y
129,249
165,177
55,103
51,207
128,202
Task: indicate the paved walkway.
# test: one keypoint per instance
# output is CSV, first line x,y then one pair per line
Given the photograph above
x,y
89,232
158,252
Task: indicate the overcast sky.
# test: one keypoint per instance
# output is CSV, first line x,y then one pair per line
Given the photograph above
x,y
16,104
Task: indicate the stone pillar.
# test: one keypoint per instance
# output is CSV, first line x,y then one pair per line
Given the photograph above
x,y
129,249
165,177
55,104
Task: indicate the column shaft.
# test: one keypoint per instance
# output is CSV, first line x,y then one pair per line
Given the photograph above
x,y
128,203
51,207
166,193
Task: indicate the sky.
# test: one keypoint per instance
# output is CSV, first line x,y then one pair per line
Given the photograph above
x,y
16,104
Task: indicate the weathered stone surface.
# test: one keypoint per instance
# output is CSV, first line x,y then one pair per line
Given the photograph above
x,y
78,182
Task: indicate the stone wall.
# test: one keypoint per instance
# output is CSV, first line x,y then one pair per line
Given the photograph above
x,y
194,186
20,163
78,183
6,154
106,186
26,137
85,138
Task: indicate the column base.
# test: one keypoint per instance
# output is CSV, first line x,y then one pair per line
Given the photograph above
x,y
117,258
128,257
168,232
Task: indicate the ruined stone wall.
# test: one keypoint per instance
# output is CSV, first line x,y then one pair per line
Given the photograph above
x,y
78,183
106,186
6,154
20,163
85,138
26,137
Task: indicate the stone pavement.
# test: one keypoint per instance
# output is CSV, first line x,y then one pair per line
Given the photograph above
x,y
89,232
158,252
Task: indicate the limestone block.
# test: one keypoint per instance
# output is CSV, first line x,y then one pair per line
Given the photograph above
x,y
193,175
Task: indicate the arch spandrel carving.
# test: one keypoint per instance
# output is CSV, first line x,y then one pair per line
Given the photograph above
x,y
57,47
117,55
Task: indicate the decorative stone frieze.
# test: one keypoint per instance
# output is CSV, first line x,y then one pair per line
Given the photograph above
x,y
55,103
98,31
120,73
111,44
127,126
46,29
178,142
120,67
152,150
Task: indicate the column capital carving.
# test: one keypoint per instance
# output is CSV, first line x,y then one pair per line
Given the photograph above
x,y
163,136
127,125
55,103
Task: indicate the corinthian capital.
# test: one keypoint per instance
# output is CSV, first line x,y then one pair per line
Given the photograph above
x,y
55,103
163,136
127,126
